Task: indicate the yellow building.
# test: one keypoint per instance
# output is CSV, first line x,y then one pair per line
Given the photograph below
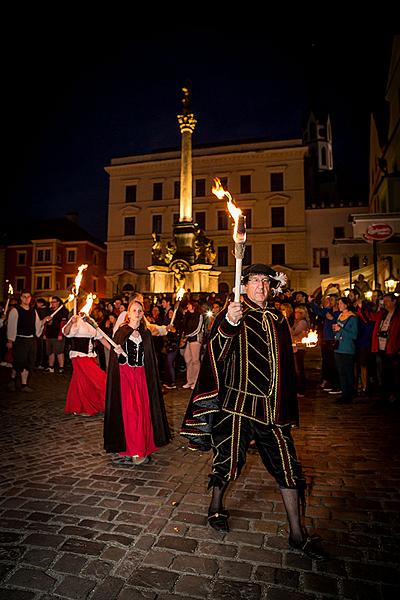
x,y
266,180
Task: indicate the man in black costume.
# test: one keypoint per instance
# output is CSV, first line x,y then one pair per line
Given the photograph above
x,y
246,390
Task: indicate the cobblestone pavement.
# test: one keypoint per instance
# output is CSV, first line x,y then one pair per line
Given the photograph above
x,y
75,526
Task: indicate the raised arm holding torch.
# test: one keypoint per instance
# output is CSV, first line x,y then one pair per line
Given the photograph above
x,y
239,233
84,313
179,295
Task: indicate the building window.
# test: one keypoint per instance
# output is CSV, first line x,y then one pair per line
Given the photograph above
x,y
129,225
277,216
21,258
319,253
224,182
44,255
130,193
245,184
95,258
157,224
69,281
157,191
129,260
222,220
177,190
222,256
278,254
71,255
248,214
324,265
20,284
247,258
201,220
276,182
200,187
175,218
354,262
42,282
338,233
95,286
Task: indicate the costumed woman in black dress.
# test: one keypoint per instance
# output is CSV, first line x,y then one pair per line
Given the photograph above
x,y
135,422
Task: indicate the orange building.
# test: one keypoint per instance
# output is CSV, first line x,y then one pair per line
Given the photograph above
x,y
45,258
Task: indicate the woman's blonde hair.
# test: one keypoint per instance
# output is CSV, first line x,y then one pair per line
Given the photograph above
x,y
127,319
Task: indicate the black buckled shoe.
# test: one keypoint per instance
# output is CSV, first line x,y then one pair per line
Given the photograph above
x,y
219,520
310,547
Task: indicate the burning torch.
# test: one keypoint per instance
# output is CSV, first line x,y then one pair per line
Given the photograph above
x,y
77,284
84,313
179,295
239,232
10,293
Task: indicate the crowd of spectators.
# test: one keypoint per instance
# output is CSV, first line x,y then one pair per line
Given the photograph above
x,y
358,334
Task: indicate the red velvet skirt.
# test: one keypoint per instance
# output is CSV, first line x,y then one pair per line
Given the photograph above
x,y
87,389
136,412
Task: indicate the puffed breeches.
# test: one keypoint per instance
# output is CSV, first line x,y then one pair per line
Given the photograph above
x,y
231,436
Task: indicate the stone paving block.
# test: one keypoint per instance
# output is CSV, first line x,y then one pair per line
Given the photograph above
x,y
108,589
32,579
232,590
47,541
215,549
259,555
246,538
97,568
230,569
284,577
177,543
70,563
7,594
154,579
277,593
195,564
83,547
114,538
75,587
320,584
159,558
112,553
193,587
39,557
131,593
373,572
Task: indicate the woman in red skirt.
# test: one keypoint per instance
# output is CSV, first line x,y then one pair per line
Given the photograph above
x,y
87,389
135,421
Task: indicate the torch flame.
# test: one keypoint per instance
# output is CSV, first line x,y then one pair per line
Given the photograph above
x,y
311,340
10,289
180,293
78,279
89,302
239,232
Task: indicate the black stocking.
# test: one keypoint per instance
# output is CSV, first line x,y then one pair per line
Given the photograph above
x,y
291,501
218,492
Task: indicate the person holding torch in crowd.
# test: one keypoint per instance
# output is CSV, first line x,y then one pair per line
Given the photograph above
x,y
246,390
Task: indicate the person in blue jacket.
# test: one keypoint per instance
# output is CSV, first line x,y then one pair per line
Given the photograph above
x,y
346,331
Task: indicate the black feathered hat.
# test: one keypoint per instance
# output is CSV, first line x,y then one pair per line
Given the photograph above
x,y
277,280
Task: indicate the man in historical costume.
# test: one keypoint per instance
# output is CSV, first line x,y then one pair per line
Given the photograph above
x,y
133,388
23,326
246,390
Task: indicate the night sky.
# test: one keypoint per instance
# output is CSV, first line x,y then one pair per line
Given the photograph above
x,y
78,93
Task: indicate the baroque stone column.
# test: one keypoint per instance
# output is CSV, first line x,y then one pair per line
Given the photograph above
x,y
184,230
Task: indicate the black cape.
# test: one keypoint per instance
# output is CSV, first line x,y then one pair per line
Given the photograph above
x,y
114,434
208,396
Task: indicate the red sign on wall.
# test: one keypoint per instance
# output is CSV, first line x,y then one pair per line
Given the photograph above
x,y
378,232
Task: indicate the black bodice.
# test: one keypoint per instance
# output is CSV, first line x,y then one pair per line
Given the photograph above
x,y
135,354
